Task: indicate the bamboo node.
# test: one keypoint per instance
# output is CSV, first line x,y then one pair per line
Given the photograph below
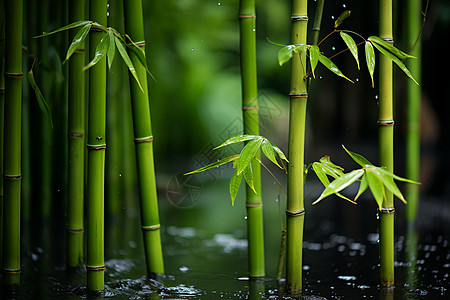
x,y
75,230
151,228
144,139
13,75
12,177
387,210
299,18
2,91
249,107
389,40
385,122
75,135
298,95
96,147
80,51
295,213
9,271
95,268
253,204
246,16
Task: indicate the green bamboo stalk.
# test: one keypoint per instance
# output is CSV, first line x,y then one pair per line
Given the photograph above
x,y
317,22
12,172
386,148
96,154
143,137
2,114
255,230
76,145
414,20
295,213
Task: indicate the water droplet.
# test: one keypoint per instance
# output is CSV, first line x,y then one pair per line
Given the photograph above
x,y
120,175
218,3
183,269
332,17
192,49
246,217
357,79
333,48
376,97
344,5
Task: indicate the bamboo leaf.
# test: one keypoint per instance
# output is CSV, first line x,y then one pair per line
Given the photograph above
x,y
40,98
314,57
396,60
70,26
331,66
238,139
322,170
111,49
362,187
370,60
285,54
340,183
100,51
351,45
279,152
358,158
332,169
141,57
127,60
392,175
376,187
215,164
247,154
78,40
248,176
341,18
268,151
388,182
235,182
391,48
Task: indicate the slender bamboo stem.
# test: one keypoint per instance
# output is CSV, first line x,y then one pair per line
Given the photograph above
x,y
12,171
2,114
386,148
96,155
413,108
76,142
143,136
317,22
295,213
255,230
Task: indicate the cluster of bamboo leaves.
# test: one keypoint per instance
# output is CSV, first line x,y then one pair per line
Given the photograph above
x,y
315,55
242,161
107,46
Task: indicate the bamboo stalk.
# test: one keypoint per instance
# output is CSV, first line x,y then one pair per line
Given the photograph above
x,y
295,213
2,114
76,142
255,230
12,172
386,148
96,155
143,136
413,107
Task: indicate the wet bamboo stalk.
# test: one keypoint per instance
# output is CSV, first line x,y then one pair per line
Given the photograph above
x,y
12,172
96,155
297,118
255,230
414,20
386,148
76,149
143,137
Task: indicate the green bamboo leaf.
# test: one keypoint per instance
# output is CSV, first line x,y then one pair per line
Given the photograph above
x,y
78,40
141,57
362,187
314,57
393,176
279,152
127,60
341,18
40,98
391,48
358,158
376,187
388,182
248,176
396,60
332,169
370,59
100,51
331,66
340,183
235,182
238,139
285,54
350,42
247,154
215,164
111,49
322,170
268,151
70,26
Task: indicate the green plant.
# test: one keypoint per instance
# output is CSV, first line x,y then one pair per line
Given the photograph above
x,y
247,24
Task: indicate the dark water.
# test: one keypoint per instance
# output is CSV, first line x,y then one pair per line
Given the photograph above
x,y
205,249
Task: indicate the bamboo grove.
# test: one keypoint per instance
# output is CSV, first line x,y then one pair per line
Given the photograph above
x,y
110,39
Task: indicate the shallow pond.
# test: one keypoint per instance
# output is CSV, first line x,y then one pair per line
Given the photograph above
x,y
205,249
